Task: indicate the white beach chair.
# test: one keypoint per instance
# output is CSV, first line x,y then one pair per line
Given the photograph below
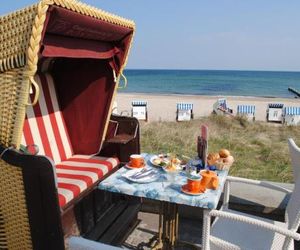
x,y
139,110
275,112
220,107
247,111
291,115
236,230
184,112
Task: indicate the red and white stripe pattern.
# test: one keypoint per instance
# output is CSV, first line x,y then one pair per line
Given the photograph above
x,y
44,124
78,173
45,127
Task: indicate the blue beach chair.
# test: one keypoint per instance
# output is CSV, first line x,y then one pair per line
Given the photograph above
x,y
184,112
291,115
246,110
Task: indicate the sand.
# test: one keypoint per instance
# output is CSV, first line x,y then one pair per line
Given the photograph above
x,y
163,107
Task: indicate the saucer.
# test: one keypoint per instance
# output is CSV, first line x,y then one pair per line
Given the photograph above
x,y
185,190
130,167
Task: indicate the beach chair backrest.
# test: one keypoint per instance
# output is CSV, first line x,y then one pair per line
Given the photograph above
x,y
139,110
222,103
292,111
246,109
44,124
184,111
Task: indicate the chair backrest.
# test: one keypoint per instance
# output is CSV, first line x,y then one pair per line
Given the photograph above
x,y
293,207
246,109
185,106
44,124
222,103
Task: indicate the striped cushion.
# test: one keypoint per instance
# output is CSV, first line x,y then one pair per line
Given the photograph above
x,y
44,124
78,173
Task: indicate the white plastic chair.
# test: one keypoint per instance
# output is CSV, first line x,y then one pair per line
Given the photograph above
x,y
295,158
236,230
79,243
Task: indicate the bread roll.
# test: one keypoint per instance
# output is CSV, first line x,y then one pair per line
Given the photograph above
x,y
212,158
224,153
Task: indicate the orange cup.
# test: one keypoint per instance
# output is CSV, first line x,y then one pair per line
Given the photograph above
x,y
136,161
194,185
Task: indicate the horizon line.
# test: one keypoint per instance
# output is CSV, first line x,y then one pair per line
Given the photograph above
x,y
249,70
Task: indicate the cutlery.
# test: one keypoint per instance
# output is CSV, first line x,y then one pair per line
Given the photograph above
x,y
140,173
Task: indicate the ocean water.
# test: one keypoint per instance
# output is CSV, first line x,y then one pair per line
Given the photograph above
x,y
213,82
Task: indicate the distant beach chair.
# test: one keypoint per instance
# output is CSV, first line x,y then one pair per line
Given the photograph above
x,y
291,115
184,112
139,110
275,112
246,110
220,107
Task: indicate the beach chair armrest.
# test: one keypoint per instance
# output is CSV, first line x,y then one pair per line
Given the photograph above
x,y
127,125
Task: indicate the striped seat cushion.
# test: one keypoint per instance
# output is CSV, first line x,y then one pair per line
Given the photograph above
x,y
45,127
80,172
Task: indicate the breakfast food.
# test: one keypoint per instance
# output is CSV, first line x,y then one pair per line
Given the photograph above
x,y
224,153
212,158
222,160
229,159
157,161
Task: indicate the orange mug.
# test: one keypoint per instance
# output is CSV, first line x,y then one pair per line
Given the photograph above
x,y
136,161
209,179
194,185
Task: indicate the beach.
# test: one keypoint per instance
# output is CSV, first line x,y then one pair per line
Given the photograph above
x,y
162,107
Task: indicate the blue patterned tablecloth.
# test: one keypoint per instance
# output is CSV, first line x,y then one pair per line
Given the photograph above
x,y
164,189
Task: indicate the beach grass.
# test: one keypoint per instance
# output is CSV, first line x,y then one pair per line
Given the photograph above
x,y
260,149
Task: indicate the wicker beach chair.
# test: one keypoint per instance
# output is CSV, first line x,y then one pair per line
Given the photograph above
x,y
291,116
184,112
236,230
247,111
220,107
139,110
61,62
275,112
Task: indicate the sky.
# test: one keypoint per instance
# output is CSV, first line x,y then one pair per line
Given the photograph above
x,y
207,34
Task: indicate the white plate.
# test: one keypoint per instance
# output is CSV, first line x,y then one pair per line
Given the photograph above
x,y
152,161
138,176
178,169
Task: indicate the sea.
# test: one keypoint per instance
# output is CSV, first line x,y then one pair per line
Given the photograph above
x,y
213,82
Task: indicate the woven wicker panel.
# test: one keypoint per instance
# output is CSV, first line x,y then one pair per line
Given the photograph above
x,y
14,224
15,30
14,96
21,31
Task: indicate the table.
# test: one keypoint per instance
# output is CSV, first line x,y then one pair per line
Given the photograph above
x,y
169,193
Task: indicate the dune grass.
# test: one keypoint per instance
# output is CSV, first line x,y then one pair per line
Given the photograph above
x,y
260,149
